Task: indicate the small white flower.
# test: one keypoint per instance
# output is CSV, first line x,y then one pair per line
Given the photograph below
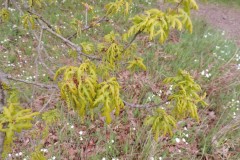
x,y
20,153
177,140
186,135
103,158
81,132
112,141
53,157
183,139
81,139
9,155
160,158
238,66
72,126
16,154
151,158
134,128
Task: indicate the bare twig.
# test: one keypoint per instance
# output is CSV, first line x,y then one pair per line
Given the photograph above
x,y
32,83
178,4
144,105
46,104
36,62
133,39
104,18
75,46
42,19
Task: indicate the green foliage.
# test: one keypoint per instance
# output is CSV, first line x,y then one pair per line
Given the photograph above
x,y
37,155
185,95
161,123
157,23
184,98
28,21
82,91
51,116
113,51
73,53
14,119
87,47
77,26
32,3
108,95
118,6
136,63
4,14
92,85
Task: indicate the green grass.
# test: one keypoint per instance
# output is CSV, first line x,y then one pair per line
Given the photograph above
x,y
126,137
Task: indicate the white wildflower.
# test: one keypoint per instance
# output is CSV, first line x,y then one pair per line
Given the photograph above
x,y
177,140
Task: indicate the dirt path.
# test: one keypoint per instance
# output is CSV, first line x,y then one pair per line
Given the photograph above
x,y
222,17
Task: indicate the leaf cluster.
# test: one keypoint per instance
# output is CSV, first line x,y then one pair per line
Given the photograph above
x,y
137,63
161,122
51,116
157,23
4,14
83,92
184,100
32,3
185,95
77,24
28,21
121,6
14,119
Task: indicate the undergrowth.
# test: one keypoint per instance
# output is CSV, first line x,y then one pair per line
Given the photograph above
x,y
206,54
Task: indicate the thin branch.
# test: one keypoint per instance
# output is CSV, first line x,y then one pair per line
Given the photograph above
x,y
42,19
36,63
50,29
88,27
178,4
133,39
50,72
144,105
75,46
32,83
46,104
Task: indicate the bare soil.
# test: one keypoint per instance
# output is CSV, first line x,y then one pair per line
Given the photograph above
x,y
222,17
